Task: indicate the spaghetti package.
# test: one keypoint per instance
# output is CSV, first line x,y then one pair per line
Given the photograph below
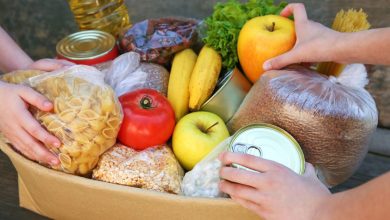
x,y
86,116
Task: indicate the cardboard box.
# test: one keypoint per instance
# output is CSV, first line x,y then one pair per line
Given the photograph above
x,y
59,195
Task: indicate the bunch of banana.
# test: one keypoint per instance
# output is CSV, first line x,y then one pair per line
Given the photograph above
x,y
204,77
193,79
179,80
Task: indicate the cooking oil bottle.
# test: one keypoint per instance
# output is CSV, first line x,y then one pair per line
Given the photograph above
x,y
107,15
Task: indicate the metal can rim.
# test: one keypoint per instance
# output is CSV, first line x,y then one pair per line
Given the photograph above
x,y
276,128
109,49
224,81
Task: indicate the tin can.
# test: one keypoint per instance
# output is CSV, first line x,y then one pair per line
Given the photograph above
x,y
269,142
88,47
228,96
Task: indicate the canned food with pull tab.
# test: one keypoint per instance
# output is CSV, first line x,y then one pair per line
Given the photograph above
x,y
269,142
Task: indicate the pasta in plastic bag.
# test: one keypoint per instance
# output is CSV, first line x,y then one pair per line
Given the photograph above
x,y
127,74
86,116
331,118
203,179
19,76
155,168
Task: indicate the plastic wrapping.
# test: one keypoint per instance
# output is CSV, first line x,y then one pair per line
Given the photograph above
x,y
127,74
86,116
331,118
154,168
157,40
203,179
19,76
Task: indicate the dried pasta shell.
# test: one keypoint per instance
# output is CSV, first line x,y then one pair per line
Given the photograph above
x,y
81,138
73,150
91,149
88,115
68,115
66,161
107,104
85,158
77,125
71,169
83,168
113,122
97,125
47,119
100,140
55,125
75,102
109,133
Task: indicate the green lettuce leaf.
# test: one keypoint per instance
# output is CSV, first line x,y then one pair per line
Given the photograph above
x,y
224,25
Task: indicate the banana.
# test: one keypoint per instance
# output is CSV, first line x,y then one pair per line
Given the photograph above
x,y
204,77
179,80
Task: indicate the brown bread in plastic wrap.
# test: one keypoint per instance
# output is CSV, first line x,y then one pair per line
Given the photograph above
x,y
332,119
153,168
86,116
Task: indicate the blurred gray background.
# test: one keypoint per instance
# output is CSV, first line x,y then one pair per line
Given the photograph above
x,y
37,25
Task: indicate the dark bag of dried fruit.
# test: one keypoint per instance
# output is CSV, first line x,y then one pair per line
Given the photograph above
x,y
157,40
332,118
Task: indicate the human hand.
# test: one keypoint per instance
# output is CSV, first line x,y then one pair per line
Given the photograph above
x,y
48,65
315,42
274,193
19,126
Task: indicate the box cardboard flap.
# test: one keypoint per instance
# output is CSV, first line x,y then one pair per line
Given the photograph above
x,y
62,196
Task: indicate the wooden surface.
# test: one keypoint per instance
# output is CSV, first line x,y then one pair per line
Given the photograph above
x,y
373,165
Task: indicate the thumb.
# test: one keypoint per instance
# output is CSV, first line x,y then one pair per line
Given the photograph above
x,y
280,61
34,98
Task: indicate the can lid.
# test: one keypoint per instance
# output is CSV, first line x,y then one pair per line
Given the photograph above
x,y
85,45
269,142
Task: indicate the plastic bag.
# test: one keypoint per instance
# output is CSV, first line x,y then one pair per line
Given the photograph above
x,y
127,74
19,76
203,179
86,116
154,168
157,40
331,118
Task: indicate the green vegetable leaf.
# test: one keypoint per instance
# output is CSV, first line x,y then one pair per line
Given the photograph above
x,y
224,25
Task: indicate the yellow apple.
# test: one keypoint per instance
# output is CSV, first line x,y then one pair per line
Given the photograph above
x,y
195,135
263,38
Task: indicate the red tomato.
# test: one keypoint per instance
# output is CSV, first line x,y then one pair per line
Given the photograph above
x,y
148,119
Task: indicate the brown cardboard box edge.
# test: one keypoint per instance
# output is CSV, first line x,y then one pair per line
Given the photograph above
x,y
59,195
